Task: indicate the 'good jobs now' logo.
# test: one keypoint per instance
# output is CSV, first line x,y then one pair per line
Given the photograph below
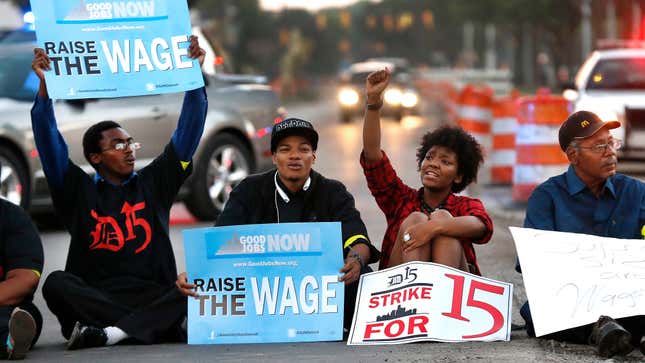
x,y
305,243
97,10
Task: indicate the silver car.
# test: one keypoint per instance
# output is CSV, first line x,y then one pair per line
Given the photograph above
x,y
235,141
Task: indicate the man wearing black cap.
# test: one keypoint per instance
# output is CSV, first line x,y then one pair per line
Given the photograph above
x,y
591,198
293,192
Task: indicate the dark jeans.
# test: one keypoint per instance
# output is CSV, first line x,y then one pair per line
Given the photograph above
x,y
635,325
350,299
146,311
5,314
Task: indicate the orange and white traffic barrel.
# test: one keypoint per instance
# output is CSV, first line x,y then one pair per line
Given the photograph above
x,y
475,111
539,156
503,138
447,100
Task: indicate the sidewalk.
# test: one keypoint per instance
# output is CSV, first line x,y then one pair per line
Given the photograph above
x,y
499,202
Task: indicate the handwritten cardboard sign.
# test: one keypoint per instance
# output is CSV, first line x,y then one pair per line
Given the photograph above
x,y
571,279
419,301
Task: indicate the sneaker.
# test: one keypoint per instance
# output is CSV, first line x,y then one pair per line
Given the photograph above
x,y
610,338
22,330
86,336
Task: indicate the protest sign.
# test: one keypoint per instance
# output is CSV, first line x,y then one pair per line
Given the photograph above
x,y
419,301
571,279
265,283
102,48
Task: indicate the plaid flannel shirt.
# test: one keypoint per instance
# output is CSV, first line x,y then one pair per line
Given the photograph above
x,y
397,200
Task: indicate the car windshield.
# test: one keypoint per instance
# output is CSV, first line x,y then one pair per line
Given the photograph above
x,y
360,77
17,80
618,74
19,36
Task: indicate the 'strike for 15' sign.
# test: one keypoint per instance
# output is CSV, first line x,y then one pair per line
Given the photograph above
x,y
426,301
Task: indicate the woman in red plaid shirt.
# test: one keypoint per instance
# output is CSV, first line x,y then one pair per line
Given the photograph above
x,y
430,223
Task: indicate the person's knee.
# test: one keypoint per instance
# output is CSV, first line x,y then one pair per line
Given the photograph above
x,y
447,242
412,219
440,214
54,284
449,251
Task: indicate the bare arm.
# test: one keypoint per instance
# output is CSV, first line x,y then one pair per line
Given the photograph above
x,y
352,267
19,284
442,224
374,87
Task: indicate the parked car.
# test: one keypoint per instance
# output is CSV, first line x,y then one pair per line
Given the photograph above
x,y
611,83
235,142
400,99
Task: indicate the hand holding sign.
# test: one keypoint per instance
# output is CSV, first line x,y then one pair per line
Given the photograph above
x,y
185,287
40,64
195,51
353,264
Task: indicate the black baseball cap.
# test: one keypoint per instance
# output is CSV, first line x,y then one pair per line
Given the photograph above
x,y
580,125
293,126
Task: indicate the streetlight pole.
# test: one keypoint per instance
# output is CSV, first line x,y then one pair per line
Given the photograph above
x,y
585,27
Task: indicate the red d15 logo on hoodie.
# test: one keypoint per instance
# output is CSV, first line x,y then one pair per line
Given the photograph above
x,y
108,235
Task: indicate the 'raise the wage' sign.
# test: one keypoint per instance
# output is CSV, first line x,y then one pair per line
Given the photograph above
x,y
101,48
265,283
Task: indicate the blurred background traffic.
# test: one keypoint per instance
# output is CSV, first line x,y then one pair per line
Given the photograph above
x,y
507,71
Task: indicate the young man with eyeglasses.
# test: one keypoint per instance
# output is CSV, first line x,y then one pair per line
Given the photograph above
x,y
119,277
591,198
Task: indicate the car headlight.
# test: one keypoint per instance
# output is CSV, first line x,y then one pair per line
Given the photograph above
x,y
348,97
570,95
393,96
409,99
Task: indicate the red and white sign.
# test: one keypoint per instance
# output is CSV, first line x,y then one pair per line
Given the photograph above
x,y
426,301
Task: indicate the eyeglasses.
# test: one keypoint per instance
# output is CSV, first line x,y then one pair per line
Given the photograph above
x,y
615,144
121,146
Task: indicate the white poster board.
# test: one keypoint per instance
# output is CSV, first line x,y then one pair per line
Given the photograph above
x,y
419,301
571,279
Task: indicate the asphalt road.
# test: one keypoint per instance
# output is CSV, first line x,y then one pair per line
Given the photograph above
x,y
337,158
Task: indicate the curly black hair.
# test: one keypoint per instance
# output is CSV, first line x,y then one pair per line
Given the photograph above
x,y
469,152
93,136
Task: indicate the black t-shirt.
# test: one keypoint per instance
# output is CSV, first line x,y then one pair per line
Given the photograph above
x,y
20,246
120,233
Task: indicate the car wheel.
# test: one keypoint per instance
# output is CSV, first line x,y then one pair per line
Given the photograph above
x,y
225,162
14,184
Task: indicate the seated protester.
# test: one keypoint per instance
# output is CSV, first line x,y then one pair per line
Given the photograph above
x,y
21,262
430,223
591,198
294,192
119,276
